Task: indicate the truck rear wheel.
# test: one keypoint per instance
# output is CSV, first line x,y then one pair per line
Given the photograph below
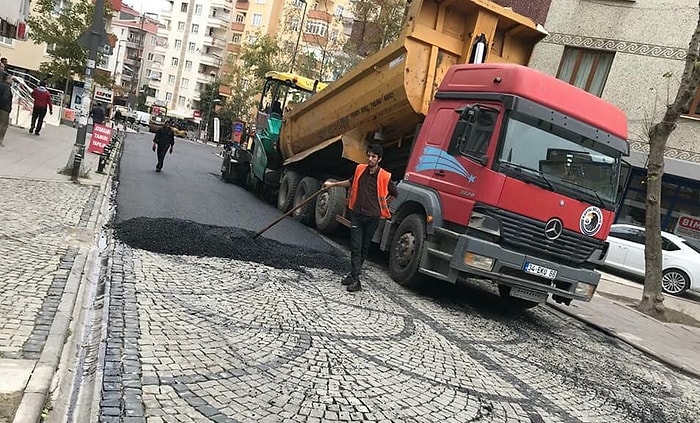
x,y
406,251
306,188
288,186
329,204
504,291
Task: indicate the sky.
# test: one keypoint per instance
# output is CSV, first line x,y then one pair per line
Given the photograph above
x,y
152,6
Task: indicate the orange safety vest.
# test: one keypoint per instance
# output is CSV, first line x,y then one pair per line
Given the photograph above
x,y
383,179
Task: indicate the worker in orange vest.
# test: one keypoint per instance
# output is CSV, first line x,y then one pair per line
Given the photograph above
x,y
370,188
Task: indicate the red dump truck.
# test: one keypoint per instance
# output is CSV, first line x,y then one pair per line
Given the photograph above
x,y
505,173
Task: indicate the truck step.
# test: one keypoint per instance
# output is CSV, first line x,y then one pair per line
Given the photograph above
x,y
447,232
440,254
436,275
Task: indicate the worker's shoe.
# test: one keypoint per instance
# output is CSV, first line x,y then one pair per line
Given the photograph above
x,y
348,280
354,287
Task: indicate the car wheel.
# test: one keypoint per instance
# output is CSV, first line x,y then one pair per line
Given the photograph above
x,y
674,282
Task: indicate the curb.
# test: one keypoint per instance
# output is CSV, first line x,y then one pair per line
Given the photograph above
x,y
39,386
673,364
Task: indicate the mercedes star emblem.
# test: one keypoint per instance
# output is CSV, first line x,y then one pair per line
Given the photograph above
x,y
553,229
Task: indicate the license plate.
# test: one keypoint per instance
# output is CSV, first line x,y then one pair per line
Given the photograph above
x,y
538,270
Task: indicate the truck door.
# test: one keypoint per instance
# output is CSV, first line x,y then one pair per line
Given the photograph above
x,y
462,161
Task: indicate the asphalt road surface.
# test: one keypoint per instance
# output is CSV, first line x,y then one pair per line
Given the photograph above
x,y
264,332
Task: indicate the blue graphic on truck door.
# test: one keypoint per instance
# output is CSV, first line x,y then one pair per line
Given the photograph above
x,y
436,159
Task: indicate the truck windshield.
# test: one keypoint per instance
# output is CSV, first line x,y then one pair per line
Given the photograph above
x,y
570,163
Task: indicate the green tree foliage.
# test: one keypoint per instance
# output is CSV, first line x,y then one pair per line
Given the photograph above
x,y
60,29
243,91
377,24
263,56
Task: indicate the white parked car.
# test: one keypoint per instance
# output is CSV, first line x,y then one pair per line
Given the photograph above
x,y
681,257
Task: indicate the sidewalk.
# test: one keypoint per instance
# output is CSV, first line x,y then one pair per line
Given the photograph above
x,y
609,311
48,239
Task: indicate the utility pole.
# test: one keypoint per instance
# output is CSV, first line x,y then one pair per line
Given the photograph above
x,y
92,39
301,30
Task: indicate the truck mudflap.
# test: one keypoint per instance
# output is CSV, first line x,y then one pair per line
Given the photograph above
x,y
529,277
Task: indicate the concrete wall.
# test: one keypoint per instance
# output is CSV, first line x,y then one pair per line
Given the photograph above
x,y
650,40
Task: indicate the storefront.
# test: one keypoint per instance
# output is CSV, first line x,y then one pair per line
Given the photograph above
x,y
680,193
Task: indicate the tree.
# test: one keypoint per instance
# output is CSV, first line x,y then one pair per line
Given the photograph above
x,y
652,299
262,56
377,24
209,93
61,28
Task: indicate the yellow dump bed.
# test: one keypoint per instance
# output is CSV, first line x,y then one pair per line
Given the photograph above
x,y
391,90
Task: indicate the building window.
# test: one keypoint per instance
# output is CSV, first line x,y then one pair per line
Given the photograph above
x,y
188,64
150,57
586,69
257,19
168,96
339,10
178,44
180,26
181,101
316,28
333,35
192,47
260,1
240,17
294,24
154,40
252,39
183,7
174,62
195,28
236,39
298,3
7,41
171,79
198,9
184,82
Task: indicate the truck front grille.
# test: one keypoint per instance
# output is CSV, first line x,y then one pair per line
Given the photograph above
x,y
527,236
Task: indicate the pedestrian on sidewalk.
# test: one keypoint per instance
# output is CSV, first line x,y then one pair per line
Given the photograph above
x,y
98,114
4,67
5,104
42,101
163,140
370,188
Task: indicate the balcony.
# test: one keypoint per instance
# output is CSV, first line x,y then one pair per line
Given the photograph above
x,y
316,40
218,21
205,78
233,48
132,61
210,60
320,15
215,42
241,5
226,4
237,26
135,44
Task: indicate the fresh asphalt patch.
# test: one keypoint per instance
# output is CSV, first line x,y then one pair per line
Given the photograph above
x,y
184,237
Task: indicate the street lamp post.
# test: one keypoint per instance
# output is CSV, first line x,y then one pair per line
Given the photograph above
x,y
301,30
209,118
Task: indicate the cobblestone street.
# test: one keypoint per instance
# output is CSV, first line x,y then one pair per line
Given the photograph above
x,y
39,219
210,339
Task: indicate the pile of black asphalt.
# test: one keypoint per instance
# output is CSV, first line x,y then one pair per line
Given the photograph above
x,y
184,237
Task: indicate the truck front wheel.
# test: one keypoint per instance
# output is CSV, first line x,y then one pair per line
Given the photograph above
x,y
329,204
306,188
288,186
406,251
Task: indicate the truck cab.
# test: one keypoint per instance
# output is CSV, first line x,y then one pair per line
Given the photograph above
x,y
513,177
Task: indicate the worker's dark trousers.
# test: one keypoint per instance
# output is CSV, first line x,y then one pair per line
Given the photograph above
x,y
162,151
361,231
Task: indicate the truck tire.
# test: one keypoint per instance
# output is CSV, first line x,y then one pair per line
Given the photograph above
x,y
241,175
306,188
407,247
504,291
288,187
329,204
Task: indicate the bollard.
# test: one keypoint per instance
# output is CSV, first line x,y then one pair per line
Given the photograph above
x,y
77,163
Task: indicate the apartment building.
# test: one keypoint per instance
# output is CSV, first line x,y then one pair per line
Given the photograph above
x,y
136,38
632,53
189,54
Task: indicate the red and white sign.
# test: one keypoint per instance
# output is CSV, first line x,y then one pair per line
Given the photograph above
x,y
101,135
688,226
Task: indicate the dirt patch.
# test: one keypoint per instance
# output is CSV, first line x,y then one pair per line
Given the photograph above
x,y
8,406
184,237
672,316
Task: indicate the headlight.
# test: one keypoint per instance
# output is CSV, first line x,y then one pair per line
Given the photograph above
x,y
477,261
585,289
485,223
